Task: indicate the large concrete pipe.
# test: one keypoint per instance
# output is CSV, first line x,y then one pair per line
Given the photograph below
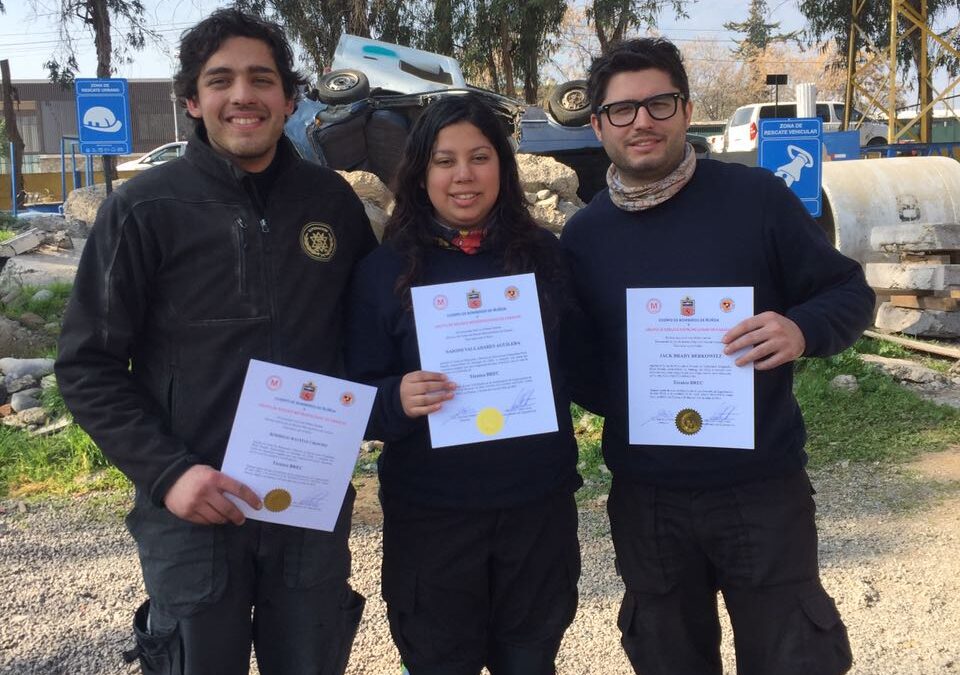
x,y
861,194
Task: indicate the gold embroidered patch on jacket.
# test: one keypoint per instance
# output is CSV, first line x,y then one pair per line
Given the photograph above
x,y
318,241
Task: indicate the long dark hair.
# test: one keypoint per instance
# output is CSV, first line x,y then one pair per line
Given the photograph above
x,y
513,236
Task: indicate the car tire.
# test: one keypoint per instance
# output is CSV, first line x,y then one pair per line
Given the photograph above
x,y
569,105
343,86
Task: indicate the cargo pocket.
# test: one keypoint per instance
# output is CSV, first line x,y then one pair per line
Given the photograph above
x,y
184,565
827,648
351,612
410,628
158,652
313,557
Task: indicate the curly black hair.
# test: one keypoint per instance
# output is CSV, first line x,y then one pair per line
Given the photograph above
x,y
199,43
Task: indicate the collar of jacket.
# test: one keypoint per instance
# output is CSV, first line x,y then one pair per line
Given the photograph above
x,y
205,157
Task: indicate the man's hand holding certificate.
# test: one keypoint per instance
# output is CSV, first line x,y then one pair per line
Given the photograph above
x,y
683,389
295,441
486,336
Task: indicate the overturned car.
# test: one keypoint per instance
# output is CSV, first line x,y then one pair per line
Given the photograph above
x,y
359,115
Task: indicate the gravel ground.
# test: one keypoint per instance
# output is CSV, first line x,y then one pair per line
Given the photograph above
x,y
69,578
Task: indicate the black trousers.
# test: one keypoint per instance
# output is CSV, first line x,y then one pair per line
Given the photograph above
x,y
757,544
215,590
467,589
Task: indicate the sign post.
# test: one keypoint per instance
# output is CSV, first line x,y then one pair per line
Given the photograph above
x,y
791,149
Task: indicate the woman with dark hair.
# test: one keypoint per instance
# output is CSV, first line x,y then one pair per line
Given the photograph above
x,y
480,551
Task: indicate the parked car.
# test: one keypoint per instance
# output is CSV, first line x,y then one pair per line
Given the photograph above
x,y
157,156
744,125
360,113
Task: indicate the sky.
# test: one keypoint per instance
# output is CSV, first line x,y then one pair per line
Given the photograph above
x,y
28,38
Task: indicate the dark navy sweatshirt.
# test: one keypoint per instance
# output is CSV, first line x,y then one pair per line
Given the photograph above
x,y
729,226
381,347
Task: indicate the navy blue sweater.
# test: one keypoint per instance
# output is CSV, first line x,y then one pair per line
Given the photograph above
x,y
730,226
382,347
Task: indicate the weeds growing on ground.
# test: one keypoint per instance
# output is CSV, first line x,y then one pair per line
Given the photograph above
x,y
50,309
5,234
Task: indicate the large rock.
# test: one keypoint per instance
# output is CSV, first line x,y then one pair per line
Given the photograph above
x,y
905,370
83,203
16,340
545,173
378,218
912,276
916,237
35,368
369,188
922,322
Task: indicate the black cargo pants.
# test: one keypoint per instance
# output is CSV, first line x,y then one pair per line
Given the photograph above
x,y
215,590
757,544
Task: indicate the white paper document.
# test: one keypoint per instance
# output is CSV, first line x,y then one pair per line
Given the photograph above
x,y
486,335
295,441
682,388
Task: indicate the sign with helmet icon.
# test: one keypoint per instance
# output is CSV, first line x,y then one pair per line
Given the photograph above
x,y
103,116
791,148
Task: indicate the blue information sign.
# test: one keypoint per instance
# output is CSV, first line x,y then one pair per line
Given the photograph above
x,y
791,149
103,117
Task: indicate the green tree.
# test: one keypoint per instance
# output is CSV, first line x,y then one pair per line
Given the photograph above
x,y
613,19
758,33
103,18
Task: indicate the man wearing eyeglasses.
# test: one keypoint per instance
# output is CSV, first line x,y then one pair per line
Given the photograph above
x,y
691,521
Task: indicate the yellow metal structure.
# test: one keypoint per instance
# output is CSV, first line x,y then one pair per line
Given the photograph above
x,y
909,23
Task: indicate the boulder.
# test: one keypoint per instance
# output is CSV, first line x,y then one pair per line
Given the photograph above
x,y
83,203
545,173
24,400
916,237
378,218
912,276
369,188
14,384
36,368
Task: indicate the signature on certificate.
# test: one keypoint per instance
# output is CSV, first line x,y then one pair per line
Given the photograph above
x,y
523,402
723,417
314,500
463,414
661,417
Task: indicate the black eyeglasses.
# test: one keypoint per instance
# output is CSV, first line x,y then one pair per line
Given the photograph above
x,y
660,107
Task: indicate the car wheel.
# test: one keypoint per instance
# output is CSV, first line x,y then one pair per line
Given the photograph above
x,y
569,105
343,86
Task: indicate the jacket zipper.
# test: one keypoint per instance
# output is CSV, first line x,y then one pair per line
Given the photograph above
x,y
271,289
242,254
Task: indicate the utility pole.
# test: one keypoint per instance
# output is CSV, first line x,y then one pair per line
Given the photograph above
x,y
13,134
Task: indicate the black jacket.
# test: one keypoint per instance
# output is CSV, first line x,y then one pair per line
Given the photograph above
x,y
382,347
186,276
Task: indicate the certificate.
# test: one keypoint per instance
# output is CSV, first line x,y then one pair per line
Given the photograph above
x,y
294,442
486,335
682,389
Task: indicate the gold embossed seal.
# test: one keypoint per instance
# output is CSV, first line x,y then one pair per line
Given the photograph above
x,y
277,500
689,421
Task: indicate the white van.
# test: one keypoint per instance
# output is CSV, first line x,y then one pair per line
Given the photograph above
x,y
744,125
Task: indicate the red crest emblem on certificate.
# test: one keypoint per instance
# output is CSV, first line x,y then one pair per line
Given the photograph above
x,y
346,398
473,299
511,293
688,307
726,305
308,391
